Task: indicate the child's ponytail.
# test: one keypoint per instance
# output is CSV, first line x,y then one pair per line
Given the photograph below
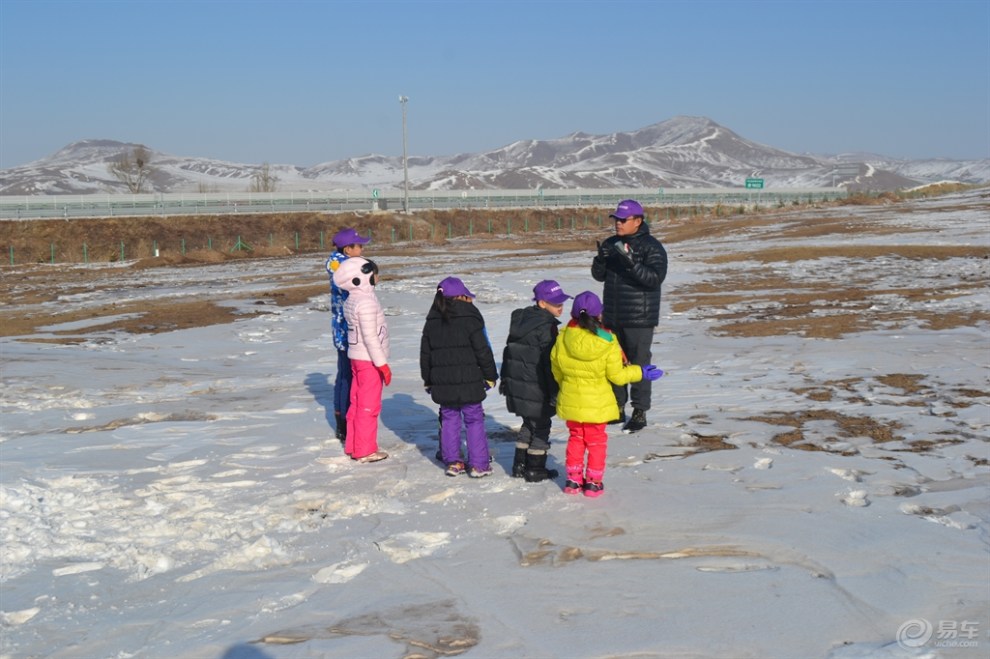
x,y
441,304
590,323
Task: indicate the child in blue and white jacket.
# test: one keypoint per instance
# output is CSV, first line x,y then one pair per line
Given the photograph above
x,y
347,243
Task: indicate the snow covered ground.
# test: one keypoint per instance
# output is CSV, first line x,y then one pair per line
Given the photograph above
x,y
181,495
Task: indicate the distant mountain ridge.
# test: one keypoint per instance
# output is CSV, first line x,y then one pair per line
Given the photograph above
x,y
682,152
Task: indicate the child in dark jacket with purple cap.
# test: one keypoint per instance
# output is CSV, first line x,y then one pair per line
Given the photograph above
x,y
348,242
458,368
527,381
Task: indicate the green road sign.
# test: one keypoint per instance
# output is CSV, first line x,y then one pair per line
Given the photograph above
x,y
374,193
754,183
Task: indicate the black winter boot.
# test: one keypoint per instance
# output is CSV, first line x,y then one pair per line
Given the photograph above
x,y
536,468
341,426
637,422
519,463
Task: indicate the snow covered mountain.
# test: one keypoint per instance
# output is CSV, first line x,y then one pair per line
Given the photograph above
x,y
681,152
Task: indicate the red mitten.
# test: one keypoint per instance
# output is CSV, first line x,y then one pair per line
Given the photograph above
x,y
386,374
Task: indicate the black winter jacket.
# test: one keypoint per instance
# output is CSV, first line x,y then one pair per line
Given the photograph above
x,y
455,357
633,271
527,382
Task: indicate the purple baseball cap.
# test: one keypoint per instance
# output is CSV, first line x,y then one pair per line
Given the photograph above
x,y
348,236
588,303
453,287
628,208
549,291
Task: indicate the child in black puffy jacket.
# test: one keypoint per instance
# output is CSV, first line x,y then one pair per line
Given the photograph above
x,y
458,368
527,382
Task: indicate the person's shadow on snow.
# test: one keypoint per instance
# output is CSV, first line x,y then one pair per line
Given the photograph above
x,y
244,651
413,422
319,385
419,424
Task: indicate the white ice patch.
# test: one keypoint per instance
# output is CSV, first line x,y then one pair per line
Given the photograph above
x,y
855,498
13,618
339,572
405,547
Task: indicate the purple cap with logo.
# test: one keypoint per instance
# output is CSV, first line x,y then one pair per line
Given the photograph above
x,y
628,208
549,291
348,236
453,287
588,303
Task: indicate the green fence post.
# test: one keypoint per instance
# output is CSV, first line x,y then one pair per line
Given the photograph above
x,y
297,241
508,226
183,246
393,234
85,254
11,255
489,225
53,252
410,232
121,251
471,227
450,230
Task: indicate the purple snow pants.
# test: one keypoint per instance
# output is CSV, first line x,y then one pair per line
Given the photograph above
x,y
450,435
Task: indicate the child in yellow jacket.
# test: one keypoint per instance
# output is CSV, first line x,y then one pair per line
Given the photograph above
x,y
586,361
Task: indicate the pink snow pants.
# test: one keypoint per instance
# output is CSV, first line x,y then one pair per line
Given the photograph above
x,y
366,405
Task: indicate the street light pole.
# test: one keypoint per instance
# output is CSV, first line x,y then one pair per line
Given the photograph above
x,y
405,161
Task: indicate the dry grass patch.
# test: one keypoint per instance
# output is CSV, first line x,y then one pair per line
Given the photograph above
x,y
847,426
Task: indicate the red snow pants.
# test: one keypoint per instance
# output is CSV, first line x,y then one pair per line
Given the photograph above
x,y
590,438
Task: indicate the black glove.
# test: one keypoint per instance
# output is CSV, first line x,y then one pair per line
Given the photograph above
x,y
624,258
603,250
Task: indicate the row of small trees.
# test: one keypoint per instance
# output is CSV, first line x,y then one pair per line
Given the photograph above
x,y
134,168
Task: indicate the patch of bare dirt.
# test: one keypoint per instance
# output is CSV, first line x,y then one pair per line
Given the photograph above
x,y
846,427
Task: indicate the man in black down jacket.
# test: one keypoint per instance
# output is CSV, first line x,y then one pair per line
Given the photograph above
x,y
633,265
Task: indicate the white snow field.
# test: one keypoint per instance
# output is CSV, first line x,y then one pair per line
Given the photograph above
x,y
181,494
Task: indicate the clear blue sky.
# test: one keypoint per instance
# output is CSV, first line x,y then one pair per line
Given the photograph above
x,y
301,82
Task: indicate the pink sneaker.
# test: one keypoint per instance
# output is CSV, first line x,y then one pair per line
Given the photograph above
x,y
572,487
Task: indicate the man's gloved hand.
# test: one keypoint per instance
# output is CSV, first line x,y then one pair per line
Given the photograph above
x,y
625,252
603,250
386,374
652,373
